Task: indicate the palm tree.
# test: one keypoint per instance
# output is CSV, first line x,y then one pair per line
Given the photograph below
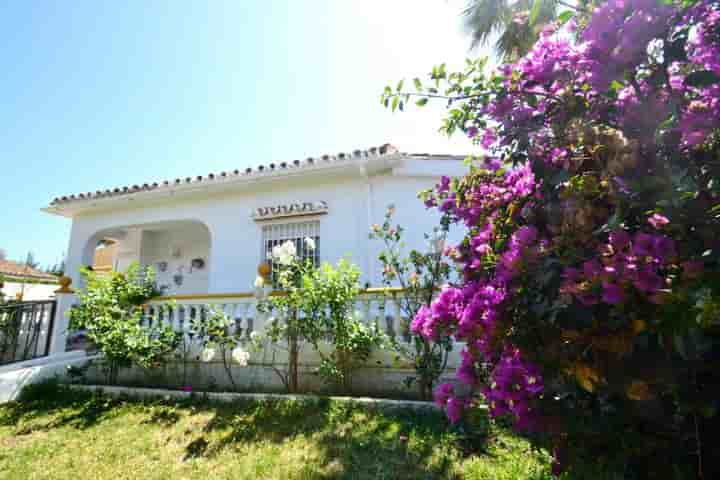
x,y
516,23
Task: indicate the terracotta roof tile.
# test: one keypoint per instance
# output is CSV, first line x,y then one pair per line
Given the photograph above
x,y
386,149
15,269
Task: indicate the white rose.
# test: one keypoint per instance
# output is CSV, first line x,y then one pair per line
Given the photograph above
x,y
240,356
285,254
207,355
259,282
310,243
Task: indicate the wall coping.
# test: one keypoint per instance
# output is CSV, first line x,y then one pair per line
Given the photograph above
x,y
227,397
240,295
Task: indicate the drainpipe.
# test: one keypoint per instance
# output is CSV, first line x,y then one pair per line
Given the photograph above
x,y
370,265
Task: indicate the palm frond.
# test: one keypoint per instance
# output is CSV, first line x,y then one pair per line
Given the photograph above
x,y
508,20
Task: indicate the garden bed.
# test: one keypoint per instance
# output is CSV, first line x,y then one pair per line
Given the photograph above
x,y
60,432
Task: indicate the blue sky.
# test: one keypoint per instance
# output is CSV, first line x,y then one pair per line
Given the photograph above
x,y
97,94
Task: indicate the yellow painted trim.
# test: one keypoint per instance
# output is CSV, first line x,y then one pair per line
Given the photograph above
x,y
277,293
392,290
206,296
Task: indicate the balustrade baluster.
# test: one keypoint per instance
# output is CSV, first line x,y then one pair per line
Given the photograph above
x,y
391,318
381,300
246,318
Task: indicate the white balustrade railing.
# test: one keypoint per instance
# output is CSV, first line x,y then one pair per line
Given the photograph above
x,y
379,306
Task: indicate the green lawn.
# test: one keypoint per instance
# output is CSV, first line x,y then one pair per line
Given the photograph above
x,y
59,435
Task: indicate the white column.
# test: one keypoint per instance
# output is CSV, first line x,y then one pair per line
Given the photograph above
x,y
80,252
60,322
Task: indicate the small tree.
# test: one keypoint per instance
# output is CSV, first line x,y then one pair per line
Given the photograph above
x,y
318,304
296,310
30,261
352,340
111,313
420,275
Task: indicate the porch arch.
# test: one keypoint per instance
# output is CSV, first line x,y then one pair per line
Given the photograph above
x,y
178,250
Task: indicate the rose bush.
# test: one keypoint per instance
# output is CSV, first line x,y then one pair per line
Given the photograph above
x,y
590,263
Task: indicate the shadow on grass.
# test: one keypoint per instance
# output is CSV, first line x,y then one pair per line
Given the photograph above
x,y
162,415
347,441
47,405
353,442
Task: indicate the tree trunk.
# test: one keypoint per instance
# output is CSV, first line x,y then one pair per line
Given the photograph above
x,y
344,362
293,360
424,389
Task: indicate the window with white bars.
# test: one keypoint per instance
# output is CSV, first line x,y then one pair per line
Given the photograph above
x,y
296,232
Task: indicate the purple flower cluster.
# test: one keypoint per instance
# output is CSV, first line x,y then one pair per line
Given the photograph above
x,y
480,201
703,48
700,117
613,46
514,385
604,100
617,37
431,322
454,406
473,314
626,261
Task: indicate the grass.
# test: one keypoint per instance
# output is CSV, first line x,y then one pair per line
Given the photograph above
x,y
55,433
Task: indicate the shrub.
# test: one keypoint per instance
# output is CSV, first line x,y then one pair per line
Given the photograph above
x,y
317,304
353,341
295,312
217,334
111,313
590,261
420,275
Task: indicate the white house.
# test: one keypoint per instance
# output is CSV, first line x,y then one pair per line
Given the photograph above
x,y
206,235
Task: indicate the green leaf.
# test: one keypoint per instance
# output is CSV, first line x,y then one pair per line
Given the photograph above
x,y
400,86
418,84
537,4
679,343
565,16
615,85
395,103
702,78
421,102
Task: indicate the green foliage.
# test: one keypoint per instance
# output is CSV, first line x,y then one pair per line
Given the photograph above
x,y
513,25
215,331
111,313
353,341
296,313
314,305
420,275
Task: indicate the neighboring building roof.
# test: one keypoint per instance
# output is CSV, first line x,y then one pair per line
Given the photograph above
x,y
384,150
18,270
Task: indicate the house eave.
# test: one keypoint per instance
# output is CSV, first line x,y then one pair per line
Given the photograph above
x,y
220,185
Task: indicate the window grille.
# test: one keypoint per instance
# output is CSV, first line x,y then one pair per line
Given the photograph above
x,y
276,234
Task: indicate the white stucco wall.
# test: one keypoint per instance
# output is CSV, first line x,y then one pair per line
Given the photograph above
x,y
31,292
187,241
355,202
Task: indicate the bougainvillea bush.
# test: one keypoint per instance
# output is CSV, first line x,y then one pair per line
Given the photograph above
x,y
590,261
